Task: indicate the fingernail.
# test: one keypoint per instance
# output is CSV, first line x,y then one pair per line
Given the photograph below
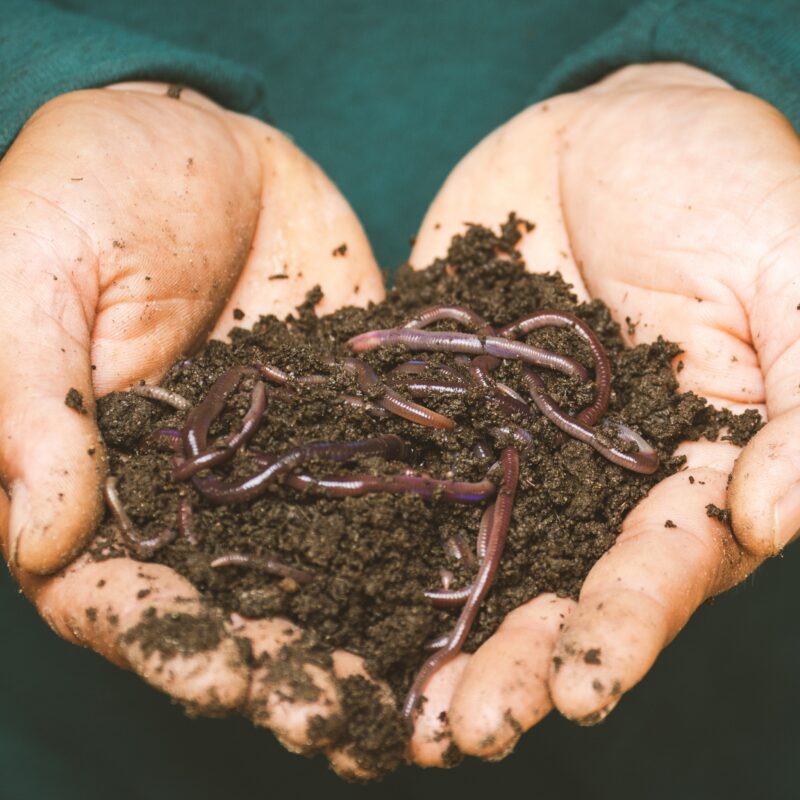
x,y
787,518
598,716
19,521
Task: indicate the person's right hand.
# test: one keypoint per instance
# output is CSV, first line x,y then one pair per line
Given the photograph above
x,y
132,223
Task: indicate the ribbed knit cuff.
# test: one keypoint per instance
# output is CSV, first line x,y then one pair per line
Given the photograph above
x,y
752,44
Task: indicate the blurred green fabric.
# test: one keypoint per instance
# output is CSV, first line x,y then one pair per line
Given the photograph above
x,y
387,97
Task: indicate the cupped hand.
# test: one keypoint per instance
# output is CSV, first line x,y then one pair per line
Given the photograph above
x,y
676,200
132,224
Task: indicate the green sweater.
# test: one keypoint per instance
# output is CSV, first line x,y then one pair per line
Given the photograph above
x,y
354,82
387,96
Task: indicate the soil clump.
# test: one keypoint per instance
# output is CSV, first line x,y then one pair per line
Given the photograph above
x,y
373,556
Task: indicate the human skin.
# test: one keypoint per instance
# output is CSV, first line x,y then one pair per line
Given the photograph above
x,y
676,200
131,225
652,190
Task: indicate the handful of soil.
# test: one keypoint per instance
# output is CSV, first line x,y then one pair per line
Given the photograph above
x,y
353,570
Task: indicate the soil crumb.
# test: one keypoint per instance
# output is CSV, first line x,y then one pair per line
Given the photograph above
x,y
372,557
74,400
722,514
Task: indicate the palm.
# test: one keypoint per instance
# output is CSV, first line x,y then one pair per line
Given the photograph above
x,y
670,197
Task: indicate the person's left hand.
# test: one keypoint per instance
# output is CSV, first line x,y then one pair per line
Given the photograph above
x,y
675,199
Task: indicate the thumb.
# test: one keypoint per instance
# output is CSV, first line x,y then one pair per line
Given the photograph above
x,y
50,453
764,493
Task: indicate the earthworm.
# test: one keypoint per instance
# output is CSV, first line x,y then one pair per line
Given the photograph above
x,y
498,532
413,412
466,316
484,528
283,378
482,450
387,446
185,528
509,348
437,643
421,366
448,598
512,393
510,405
359,402
602,365
421,387
479,369
311,380
458,547
272,373
504,396
142,545
357,485
644,461
447,578
268,565
162,395
210,458
171,437
451,598
199,419
522,437
279,376
366,377
457,342
393,402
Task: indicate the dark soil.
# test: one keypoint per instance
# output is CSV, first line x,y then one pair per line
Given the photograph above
x,y
373,556
74,400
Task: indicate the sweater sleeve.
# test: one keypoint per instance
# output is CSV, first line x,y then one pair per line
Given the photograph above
x,y
755,46
46,51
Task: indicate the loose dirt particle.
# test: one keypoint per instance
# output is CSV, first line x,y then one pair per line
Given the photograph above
x,y
74,400
592,656
722,514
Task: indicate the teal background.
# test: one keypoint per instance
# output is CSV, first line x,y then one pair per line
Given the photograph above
x,y
387,97
716,718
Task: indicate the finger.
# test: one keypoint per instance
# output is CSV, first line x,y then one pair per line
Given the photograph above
x,y
503,690
166,195
668,559
29,583
50,452
765,491
366,745
295,692
516,169
307,235
150,619
292,682
431,743
765,488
